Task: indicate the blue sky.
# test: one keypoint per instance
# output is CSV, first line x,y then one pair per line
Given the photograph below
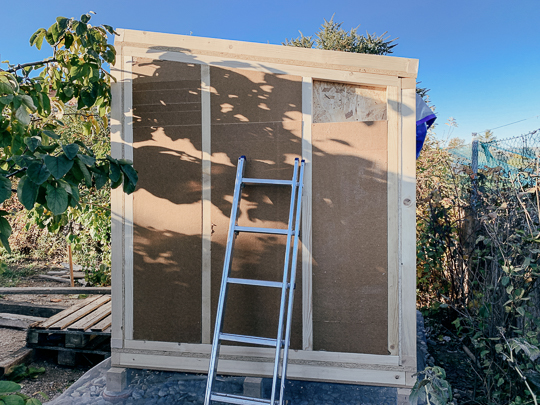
x,y
481,59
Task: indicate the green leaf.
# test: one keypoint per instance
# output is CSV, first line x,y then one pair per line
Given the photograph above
x,y
115,172
131,173
87,160
5,188
57,199
71,150
51,134
5,232
62,22
54,33
27,192
109,29
33,143
5,88
68,40
129,187
23,115
6,99
27,101
69,91
85,18
37,38
80,29
8,386
58,166
87,98
33,401
505,280
13,400
86,174
101,176
521,311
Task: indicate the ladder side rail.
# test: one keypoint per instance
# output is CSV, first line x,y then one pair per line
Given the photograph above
x,y
292,283
285,279
212,368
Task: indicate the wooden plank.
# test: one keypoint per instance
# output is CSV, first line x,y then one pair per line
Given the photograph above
x,y
206,206
54,290
76,267
18,321
385,361
264,369
57,273
22,356
75,316
128,199
382,65
92,318
307,259
67,312
271,68
72,277
408,229
393,219
102,325
117,202
29,308
54,278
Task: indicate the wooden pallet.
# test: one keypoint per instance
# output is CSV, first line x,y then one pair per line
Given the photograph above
x,y
83,329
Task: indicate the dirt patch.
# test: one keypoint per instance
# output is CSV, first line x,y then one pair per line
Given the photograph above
x,y
11,340
53,382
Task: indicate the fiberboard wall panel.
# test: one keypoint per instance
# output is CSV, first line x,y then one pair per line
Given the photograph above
x,y
167,202
257,115
350,281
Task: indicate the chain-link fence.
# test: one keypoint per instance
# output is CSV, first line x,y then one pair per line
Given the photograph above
x,y
512,155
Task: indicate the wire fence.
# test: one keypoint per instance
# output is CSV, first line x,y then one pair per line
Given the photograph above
x,y
512,155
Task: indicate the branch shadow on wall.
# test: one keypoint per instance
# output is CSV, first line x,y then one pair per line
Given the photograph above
x,y
259,115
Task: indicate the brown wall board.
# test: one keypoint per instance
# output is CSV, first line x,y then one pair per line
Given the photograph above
x,y
268,132
249,96
350,286
167,203
271,149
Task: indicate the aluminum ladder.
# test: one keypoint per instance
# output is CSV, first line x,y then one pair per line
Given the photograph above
x,y
287,287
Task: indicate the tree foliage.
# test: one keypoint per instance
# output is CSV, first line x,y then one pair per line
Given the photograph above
x,y
49,171
332,36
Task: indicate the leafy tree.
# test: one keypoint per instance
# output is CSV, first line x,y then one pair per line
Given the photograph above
x,y
486,136
332,37
50,173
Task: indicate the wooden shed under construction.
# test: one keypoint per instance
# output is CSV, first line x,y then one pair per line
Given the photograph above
x,y
184,109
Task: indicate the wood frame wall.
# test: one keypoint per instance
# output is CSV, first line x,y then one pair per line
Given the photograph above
x,y
397,75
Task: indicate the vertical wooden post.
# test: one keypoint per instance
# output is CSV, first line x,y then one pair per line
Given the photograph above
x,y
71,267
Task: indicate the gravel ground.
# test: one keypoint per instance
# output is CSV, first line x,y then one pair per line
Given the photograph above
x,y
160,387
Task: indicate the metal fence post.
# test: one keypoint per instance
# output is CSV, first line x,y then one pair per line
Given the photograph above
x,y
474,167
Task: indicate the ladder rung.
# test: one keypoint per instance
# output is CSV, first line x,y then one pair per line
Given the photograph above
x,y
237,399
262,283
268,181
254,340
253,229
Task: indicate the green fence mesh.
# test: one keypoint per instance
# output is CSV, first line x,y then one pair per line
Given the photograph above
x,y
512,155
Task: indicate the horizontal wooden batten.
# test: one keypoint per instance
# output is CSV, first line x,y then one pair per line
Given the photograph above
x,y
300,355
339,76
238,367
363,63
